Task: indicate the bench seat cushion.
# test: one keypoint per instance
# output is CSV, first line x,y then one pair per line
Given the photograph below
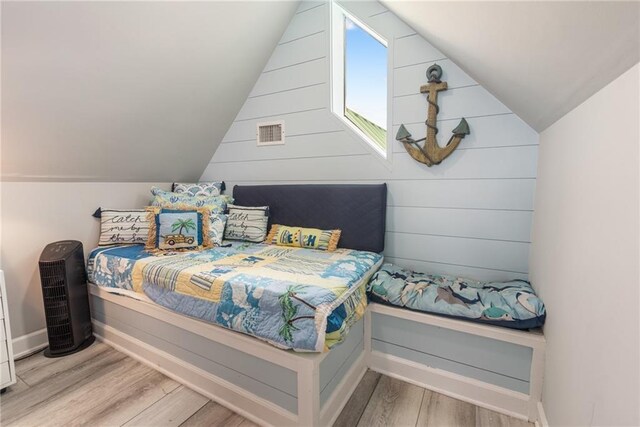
x,y
511,304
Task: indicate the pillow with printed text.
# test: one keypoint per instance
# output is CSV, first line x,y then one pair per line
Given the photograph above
x,y
123,226
247,223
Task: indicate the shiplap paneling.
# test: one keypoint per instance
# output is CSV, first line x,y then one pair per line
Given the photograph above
x,y
266,380
495,254
470,101
308,21
469,216
414,50
437,362
372,13
500,357
407,79
478,224
309,4
330,366
488,131
300,146
298,51
288,78
491,194
479,194
298,123
364,9
456,270
382,24
503,162
306,98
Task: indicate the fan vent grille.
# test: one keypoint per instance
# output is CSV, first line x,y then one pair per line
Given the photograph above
x,y
56,307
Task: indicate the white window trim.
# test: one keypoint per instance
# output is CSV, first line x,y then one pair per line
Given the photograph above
x,y
337,54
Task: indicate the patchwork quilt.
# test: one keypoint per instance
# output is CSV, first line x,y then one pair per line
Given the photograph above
x,y
293,298
511,304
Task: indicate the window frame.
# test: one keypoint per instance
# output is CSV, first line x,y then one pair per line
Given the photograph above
x,y
337,75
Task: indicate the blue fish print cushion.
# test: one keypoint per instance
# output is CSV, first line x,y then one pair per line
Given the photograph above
x,y
512,304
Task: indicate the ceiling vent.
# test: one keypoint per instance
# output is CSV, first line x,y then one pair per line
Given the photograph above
x,y
270,133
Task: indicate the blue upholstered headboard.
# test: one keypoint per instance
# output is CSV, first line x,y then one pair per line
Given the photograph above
x,y
358,210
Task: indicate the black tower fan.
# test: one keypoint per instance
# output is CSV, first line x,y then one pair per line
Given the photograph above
x,y
66,301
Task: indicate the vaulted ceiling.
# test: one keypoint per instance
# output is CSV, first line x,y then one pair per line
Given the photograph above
x,y
540,58
145,91
127,91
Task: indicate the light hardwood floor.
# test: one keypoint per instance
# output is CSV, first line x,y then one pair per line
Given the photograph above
x,y
102,387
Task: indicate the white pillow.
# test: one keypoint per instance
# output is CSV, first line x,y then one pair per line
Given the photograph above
x,y
247,223
123,226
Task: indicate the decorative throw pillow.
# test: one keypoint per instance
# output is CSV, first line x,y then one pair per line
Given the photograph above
x,y
215,204
177,230
247,223
123,226
310,238
213,188
167,199
217,223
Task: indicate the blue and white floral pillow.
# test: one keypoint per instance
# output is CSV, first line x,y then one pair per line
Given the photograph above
x,y
217,222
168,199
213,188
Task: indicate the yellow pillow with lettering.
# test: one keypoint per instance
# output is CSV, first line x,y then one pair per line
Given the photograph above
x,y
310,238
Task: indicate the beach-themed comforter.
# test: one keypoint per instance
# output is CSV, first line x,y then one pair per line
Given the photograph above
x,y
295,298
511,304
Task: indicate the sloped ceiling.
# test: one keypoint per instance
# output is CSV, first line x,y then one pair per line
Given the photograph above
x,y
541,59
127,91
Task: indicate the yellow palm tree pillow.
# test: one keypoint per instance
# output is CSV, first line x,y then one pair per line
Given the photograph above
x,y
310,238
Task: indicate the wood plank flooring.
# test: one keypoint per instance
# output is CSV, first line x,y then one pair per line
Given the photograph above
x,y
102,387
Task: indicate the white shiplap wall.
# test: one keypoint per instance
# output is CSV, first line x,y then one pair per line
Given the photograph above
x,y
469,216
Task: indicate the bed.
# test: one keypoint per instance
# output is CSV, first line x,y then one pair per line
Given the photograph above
x,y
293,298
170,327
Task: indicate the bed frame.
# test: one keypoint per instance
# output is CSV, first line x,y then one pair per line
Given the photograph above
x,y
265,384
277,387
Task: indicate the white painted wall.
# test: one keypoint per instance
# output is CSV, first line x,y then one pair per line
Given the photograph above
x,y
127,91
585,256
37,213
469,216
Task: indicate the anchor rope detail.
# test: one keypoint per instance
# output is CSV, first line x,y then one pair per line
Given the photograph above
x,y
430,153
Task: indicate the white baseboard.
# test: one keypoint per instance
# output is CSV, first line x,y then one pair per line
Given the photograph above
x,y
542,416
479,393
233,397
30,343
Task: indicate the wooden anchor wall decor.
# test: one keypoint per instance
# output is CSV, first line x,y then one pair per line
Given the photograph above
x,y
431,153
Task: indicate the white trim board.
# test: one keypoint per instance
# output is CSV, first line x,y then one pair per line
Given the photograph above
x,y
28,344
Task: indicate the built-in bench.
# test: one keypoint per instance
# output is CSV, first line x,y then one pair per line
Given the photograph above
x,y
489,366
493,367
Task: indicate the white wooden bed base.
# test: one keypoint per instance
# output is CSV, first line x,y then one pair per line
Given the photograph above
x,y
308,366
